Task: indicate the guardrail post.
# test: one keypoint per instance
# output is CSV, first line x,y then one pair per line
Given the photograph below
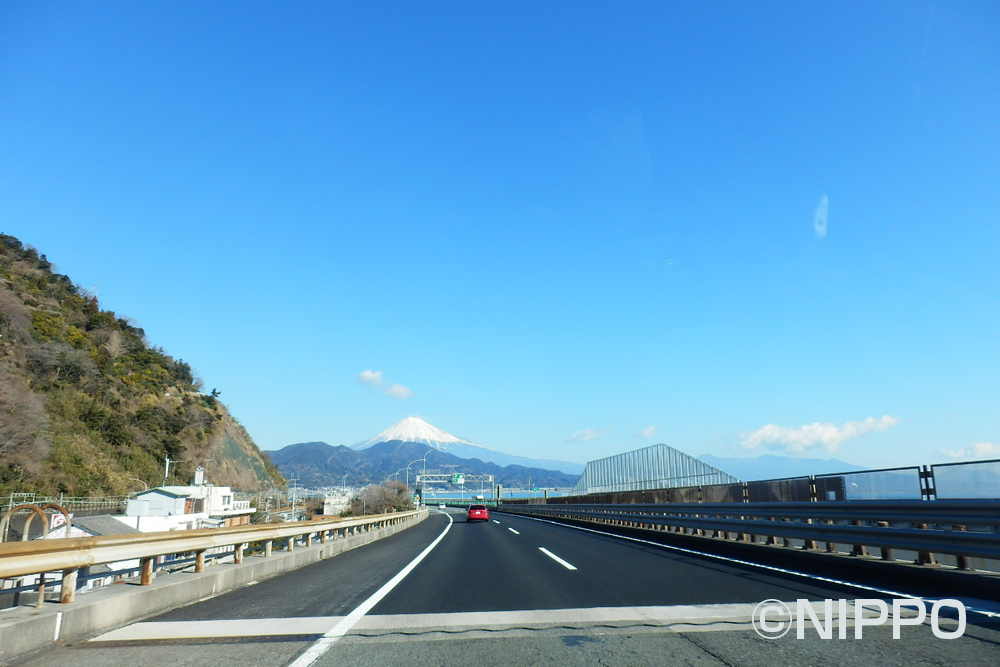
x,y
41,586
858,549
291,544
831,547
924,557
322,536
309,539
268,547
886,551
809,544
68,585
238,554
146,577
199,561
961,561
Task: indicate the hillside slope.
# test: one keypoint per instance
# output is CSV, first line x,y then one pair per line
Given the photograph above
x,y
88,408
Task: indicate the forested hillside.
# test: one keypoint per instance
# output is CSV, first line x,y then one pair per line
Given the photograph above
x,y
87,406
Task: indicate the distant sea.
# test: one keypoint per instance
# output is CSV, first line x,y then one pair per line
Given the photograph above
x,y
447,496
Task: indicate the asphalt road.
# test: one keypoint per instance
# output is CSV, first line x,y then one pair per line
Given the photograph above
x,y
513,591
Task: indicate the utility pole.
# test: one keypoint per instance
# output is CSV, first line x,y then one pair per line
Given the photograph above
x,y
166,471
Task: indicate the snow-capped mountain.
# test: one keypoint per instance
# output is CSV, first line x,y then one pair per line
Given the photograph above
x,y
415,429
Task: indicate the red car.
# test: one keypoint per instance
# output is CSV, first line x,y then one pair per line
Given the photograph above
x,y
478,513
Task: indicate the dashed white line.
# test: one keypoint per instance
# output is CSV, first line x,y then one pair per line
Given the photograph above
x,y
556,558
495,521
884,591
513,531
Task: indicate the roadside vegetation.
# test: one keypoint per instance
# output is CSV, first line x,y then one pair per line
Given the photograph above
x,y
87,407
381,499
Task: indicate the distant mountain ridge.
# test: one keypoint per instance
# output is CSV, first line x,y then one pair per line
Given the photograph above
x,y
417,430
770,466
318,464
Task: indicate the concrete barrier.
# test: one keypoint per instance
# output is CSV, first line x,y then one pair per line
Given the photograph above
x,y
26,630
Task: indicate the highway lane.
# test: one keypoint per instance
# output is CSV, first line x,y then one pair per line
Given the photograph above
x,y
486,567
488,593
332,587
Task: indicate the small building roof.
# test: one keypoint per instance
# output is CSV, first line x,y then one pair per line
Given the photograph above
x,y
172,491
103,524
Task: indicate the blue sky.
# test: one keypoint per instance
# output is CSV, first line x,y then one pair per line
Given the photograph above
x,y
552,228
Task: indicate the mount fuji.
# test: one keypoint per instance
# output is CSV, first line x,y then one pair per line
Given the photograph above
x,y
416,430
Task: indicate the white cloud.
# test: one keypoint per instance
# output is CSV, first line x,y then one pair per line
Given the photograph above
x,y
375,379
647,432
980,450
370,378
819,220
586,434
813,436
399,391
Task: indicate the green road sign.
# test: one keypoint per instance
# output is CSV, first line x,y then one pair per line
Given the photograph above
x,y
458,478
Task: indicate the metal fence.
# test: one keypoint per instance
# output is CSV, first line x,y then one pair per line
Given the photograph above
x,y
979,479
657,466
948,481
73,504
886,484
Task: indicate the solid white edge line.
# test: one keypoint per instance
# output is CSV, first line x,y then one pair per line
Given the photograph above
x,y
323,644
513,531
557,559
886,591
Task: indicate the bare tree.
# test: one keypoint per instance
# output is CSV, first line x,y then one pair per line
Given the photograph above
x,y
115,344
382,498
23,422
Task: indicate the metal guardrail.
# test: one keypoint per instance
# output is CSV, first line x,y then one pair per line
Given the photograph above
x,y
940,527
67,556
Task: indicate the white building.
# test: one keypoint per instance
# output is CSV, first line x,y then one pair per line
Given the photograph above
x,y
201,505
334,503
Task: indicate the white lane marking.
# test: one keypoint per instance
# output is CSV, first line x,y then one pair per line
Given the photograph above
x,y
323,644
702,616
244,627
513,531
884,591
495,521
556,558
683,618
